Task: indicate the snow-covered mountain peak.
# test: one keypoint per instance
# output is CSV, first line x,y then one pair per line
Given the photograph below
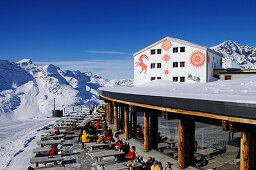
x,y
236,55
27,86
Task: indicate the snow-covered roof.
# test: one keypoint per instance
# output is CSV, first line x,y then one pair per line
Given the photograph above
x,y
229,97
178,41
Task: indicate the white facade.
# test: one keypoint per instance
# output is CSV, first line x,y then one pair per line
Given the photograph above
x,y
181,61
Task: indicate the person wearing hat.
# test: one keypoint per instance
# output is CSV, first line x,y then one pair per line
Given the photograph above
x,y
168,166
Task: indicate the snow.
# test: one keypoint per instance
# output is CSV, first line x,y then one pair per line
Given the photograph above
x,y
27,92
240,91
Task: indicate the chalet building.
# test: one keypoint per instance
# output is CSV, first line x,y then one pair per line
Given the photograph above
x,y
176,60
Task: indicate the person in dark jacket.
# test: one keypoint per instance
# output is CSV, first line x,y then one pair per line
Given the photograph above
x,y
124,148
148,164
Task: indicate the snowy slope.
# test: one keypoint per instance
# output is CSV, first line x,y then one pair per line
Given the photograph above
x,y
236,55
28,90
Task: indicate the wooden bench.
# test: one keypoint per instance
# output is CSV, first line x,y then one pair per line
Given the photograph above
x,y
51,167
46,159
48,142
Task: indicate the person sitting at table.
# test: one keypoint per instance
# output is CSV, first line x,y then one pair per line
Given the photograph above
x,y
108,135
101,139
156,166
54,150
118,143
124,148
131,154
97,125
85,138
149,163
168,166
57,132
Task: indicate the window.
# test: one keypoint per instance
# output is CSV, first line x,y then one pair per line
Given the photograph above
x,y
159,78
175,64
175,49
182,49
153,65
152,78
158,65
153,52
159,51
227,77
182,64
175,79
182,79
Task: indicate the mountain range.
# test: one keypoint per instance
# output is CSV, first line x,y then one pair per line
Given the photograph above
x,y
27,90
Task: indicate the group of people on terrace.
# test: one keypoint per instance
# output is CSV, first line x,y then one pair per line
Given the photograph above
x,y
129,152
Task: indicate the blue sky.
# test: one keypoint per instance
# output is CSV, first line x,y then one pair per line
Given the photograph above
x,y
100,36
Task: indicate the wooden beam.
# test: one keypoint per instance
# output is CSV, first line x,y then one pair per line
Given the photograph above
x,y
115,117
146,132
126,126
187,112
247,152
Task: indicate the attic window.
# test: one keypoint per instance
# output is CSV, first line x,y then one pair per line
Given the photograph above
x,y
159,51
153,52
175,49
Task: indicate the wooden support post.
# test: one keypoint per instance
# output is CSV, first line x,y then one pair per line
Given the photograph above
x,y
186,143
126,126
134,133
247,150
115,117
153,130
130,121
225,125
121,118
111,110
163,114
146,131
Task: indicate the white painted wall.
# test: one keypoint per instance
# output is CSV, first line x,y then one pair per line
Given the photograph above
x,y
174,72
214,62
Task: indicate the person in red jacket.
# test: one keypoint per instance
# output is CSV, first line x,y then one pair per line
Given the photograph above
x,y
131,155
53,151
57,132
118,143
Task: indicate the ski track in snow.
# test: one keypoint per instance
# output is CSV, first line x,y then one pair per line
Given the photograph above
x,y
16,137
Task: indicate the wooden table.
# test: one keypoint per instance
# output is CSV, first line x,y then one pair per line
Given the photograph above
x,y
48,142
41,149
107,153
93,145
38,160
119,166
52,136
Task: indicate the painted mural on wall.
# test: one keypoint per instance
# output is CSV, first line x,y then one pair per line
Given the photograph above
x,y
166,72
166,57
142,64
197,59
167,45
